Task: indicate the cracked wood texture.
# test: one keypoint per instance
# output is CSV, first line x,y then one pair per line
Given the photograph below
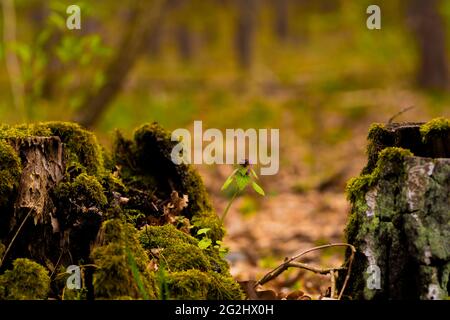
x,y
43,167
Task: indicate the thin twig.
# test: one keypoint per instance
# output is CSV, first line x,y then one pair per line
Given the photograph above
x,y
57,264
312,268
290,262
333,284
15,235
400,113
347,277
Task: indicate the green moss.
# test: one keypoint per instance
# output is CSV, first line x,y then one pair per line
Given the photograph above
x,y
209,220
112,183
26,281
181,251
439,127
83,148
392,154
390,165
184,256
23,131
357,186
148,156
85,188
188,285
140,170
427,235
378,139
121,264
196,285
223,287
10,171
388,160
163,236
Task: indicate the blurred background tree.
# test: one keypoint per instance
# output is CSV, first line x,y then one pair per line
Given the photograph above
x,y
310,68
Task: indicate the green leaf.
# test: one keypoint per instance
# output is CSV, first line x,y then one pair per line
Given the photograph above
x,y
258,189
203,231
254,173
242,171
204,243
23,51
242,181
57,20
227,182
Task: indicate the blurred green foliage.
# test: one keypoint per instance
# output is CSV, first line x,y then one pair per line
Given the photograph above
x,y
324,83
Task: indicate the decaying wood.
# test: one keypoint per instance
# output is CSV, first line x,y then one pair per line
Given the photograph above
x,y
400,224
43,168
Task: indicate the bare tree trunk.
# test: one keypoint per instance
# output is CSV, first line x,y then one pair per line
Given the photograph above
x,y
281,24
11,59
54,65
184,42
429,30
245,32
155,41
146,17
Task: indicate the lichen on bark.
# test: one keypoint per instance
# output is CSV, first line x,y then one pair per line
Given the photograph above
x,y
400,216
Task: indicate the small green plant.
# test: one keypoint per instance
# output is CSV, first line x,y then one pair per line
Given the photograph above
x,y
162,281
136,275
206,242
220,247
243,176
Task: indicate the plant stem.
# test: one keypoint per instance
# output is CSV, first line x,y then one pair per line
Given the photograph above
x,y
224,214
15,236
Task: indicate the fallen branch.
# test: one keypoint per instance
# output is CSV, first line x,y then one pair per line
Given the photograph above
x,y
291,263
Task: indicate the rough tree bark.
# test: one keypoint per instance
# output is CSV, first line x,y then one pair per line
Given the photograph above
x,y
43,165
400,217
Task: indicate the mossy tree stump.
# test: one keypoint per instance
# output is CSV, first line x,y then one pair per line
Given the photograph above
x,y
128,218
400,217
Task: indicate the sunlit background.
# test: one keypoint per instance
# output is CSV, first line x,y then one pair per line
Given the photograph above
x,y
310,68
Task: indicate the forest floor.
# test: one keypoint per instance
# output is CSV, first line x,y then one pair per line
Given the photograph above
x,y
285,225
305,204
262,231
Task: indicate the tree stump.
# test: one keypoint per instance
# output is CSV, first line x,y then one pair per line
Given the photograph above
x,y
127,220
400,216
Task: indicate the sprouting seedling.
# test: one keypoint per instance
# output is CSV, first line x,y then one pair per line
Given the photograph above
x,y
243,176
207,242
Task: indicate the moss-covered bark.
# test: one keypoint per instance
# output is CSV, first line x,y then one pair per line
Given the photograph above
x,y
121,216
400,218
